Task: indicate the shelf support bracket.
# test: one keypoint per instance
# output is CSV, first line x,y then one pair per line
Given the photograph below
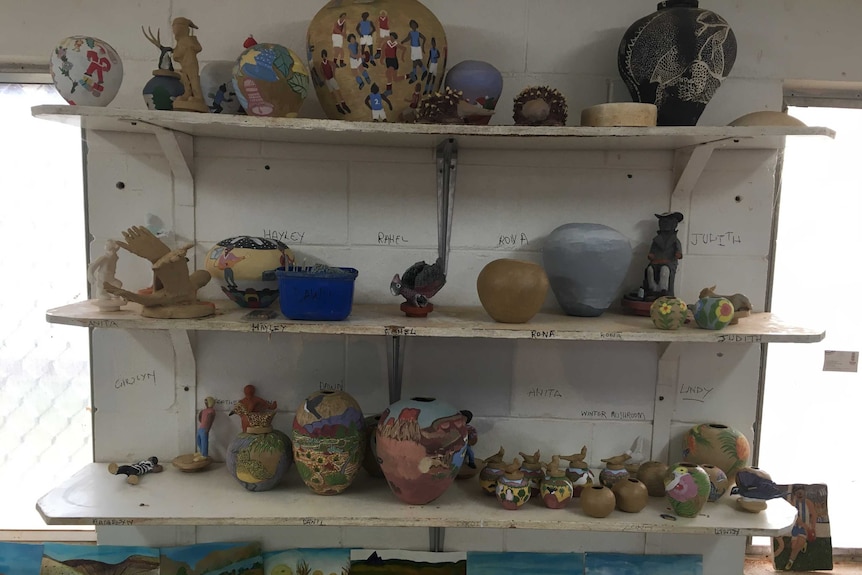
x,y
395,365
437,536
665,399
447,164
178,149
186,388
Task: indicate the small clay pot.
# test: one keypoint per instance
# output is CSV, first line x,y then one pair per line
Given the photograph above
x,y
651,474
631,495
597,501
512,291
718,482
609,476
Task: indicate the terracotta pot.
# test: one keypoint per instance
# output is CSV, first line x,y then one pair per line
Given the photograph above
x,y
490,473
260,456
581,478
270,80
687,486
86,71
718,482
668,312
651,474
328,441
369,462
631,495
556,491
512,291
713,312
609,476
598,501
372,61
719,445
420,445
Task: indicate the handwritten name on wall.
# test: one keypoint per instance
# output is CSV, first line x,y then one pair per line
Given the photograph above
x,y
619,415
694,392
512,240
720,239
127,381
384,239
285,236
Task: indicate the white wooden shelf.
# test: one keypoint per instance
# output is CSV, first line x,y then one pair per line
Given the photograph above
x,y
340,132
444,321
95,497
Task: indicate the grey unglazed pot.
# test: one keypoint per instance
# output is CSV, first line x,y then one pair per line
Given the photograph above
x,y
586,265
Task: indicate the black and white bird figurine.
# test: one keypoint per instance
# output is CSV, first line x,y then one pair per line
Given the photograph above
x,y
419,284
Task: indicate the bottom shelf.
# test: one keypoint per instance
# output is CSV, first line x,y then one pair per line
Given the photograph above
x,y
212,497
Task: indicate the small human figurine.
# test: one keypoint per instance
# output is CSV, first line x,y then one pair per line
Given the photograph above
x,y
665,251
469,467
100,272
134,471
205,423
185,54
251,403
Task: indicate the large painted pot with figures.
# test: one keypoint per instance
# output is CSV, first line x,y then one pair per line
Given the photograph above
x,y
717,444
270,80
328,441
86,71
246,267
373,60
421,444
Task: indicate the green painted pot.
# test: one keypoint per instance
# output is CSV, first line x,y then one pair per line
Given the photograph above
x,y
668,312
687,486
713,312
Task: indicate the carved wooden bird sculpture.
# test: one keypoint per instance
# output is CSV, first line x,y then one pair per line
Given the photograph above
x,y
419,283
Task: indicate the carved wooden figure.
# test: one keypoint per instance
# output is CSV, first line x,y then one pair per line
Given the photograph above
x,y
186,55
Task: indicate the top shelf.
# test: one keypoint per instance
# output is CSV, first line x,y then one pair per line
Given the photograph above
x,y
340,132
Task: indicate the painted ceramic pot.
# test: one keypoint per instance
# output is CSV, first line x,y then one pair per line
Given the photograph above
x,y
719,445
246,266
86,71
513,492
651,474
480,85
608,476
631,495
328,441
556,491
586,265
598,501
580,478
421,444
512,291
676,58
687,487
217,86
490,473
259,457
713,312
533,470
386,52
270,80
668,312
718,482
369,462
161,90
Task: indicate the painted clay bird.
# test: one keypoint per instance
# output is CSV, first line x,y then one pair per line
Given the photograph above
x,y
419,283
755,484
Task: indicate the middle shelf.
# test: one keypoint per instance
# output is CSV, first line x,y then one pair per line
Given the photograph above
x,y
95,497
445,321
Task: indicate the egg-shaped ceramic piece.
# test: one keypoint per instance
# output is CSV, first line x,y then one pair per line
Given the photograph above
x,y
86,71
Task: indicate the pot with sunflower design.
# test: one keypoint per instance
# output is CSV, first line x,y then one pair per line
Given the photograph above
x,y
713,312
717,444
668,312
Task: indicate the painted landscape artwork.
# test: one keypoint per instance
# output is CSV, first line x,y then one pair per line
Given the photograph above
x,y
397,562
63,559
20,558
484,563
213,558
307,561
621,564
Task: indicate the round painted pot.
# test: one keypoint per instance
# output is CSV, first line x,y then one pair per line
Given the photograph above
x,y
260,457
718,482
719,445
328,441
676,58
86,71
586,265
556,492
217,86
631,495
713,312
421,444
651,474
598,501
512,291
373,60
369,462
668,312
608,477
270,80
161,90
246,266
534,473
513,493
490,473
580,478
687,487
480,85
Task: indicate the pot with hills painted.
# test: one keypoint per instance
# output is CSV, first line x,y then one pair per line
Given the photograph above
x,y
260,456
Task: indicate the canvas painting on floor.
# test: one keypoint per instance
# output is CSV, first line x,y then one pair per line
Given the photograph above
x,y
622,564
307,561
808,547
213,558
102,559
488,563
399,562
20,558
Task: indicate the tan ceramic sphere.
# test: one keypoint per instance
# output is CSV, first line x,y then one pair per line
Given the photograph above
x,y
597,500
631,495
512,291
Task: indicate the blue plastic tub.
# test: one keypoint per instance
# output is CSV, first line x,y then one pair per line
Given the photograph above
x,y
316,296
